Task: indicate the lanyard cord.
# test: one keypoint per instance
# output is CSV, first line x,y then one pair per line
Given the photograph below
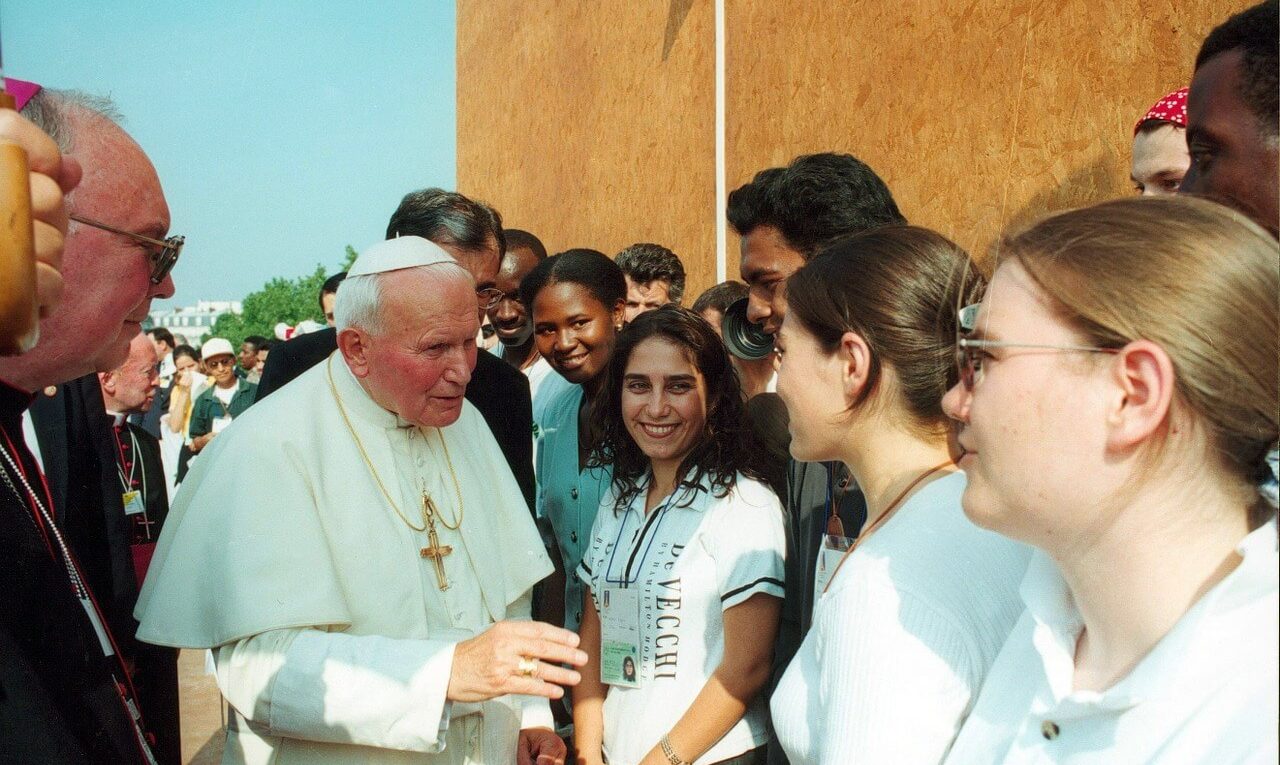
x,y
43,520
889,511
655,518
833,525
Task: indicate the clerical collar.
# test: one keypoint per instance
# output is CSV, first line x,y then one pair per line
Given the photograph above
x,y
117,419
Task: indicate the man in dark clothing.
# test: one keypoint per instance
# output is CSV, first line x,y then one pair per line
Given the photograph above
x,y
472,233
66,684
785,216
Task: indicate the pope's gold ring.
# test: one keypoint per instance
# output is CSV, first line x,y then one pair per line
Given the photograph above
x,y
528,667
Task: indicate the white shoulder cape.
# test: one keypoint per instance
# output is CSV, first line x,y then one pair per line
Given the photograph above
x,y
279,524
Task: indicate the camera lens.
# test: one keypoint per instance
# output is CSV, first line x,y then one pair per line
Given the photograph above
x,y
743,338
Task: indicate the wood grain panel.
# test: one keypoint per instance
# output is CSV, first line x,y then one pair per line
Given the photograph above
x,y
977,114
592,124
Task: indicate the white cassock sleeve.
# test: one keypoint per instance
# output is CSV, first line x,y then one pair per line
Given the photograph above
x,y
333,687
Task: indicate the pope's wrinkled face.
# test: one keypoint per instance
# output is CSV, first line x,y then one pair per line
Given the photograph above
x,y
419,361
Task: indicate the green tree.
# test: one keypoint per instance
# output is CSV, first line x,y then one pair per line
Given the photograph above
x,y
280,300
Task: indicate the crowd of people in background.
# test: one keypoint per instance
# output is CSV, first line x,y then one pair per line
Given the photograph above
x,y
881,501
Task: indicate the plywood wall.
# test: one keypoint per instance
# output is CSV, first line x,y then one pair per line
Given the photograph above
x,y
592,123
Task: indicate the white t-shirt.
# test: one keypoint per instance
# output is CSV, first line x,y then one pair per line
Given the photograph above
x,y
226,394
1206,693
691,563
902,639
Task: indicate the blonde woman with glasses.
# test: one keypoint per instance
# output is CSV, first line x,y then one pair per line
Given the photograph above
x,y
1117,403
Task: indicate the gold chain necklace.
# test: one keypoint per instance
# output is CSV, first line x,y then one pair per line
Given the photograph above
x,y
429,511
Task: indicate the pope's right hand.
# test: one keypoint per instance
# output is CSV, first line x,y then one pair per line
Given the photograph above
x,y
53,176
494,663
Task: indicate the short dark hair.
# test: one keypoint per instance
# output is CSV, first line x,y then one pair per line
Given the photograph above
x,y
647,262
1256,32
447,218
590,268
814,200
257,341
330,285
518,239
720,297
161,335
723,448
900,288
185,350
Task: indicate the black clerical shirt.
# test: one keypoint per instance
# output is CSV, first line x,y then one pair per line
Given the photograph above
x,y
58,695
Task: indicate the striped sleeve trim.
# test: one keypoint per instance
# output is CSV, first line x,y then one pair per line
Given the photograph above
x,y
759,584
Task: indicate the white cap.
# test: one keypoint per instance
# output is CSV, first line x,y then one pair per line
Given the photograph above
x,y
216,346
398,253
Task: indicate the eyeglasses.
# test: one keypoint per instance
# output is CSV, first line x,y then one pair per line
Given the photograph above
x,y
162,258
489,297
969,355
219,363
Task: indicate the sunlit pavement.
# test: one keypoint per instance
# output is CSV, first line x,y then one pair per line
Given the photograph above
x,y
200,706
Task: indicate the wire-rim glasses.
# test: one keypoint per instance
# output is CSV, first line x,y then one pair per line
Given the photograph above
x,y
969,350
164,255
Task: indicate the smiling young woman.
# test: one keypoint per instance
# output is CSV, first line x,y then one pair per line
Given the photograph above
x,y
576,299
1117,411
684,573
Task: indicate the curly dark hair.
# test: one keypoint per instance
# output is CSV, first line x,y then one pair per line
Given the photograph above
x,y
646,262
724,448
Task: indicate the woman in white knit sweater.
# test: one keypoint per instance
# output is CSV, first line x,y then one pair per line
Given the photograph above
x,y
915,613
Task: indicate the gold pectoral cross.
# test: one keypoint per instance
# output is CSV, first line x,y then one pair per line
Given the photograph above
x,y
435,551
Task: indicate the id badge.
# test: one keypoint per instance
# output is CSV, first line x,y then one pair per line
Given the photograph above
x,y
132,503
220,424
829,555
620,637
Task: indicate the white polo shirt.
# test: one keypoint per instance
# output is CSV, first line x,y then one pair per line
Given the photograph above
x,y
690,562
1206,693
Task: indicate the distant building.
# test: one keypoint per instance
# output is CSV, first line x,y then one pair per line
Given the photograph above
x,y
193,322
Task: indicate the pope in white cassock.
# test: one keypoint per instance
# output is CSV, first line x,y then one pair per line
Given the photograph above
x,y
358,555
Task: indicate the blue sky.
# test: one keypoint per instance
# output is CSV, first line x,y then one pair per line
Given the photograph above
x,y
282,130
